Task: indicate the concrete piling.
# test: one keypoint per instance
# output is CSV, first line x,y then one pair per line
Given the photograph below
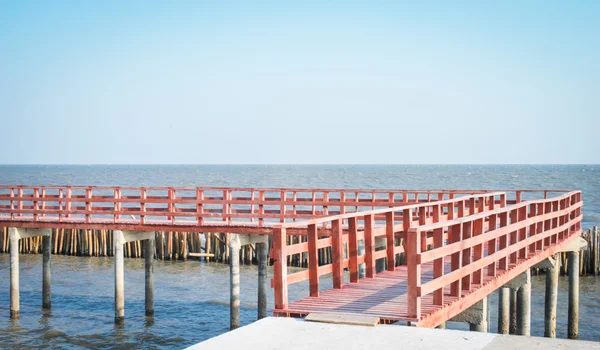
x,y
524,306
119,240
512,326
46,272
573,317
261,255
503,310
234,282
149,275
14,272
476,316
551,301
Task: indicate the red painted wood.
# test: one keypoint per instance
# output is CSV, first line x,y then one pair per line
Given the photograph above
x,y
413,247
389,235
280,268
369,246
353,249
337,252
313,261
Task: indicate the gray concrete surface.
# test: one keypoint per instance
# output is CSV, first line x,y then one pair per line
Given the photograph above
x,y
290,333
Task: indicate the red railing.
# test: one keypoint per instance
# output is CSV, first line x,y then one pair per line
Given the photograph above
x,y
195,205
529,230
348,229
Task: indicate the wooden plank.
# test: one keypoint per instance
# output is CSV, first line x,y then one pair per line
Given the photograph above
x,y
343,318
199,255
369,247
337,251
353,249
313,261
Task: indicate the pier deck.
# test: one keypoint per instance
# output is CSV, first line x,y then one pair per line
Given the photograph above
x,y
443,250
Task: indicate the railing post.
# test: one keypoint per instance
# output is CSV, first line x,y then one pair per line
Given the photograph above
x,y
337,251
117,203
353,249
522,212
514,218
492,244
282,198
467,232
20,202
280,268
455,235
261,208
413,246
143,207
389,235
369,246
88,204
172,209
68,202
313,260
438,265
12,204
36,195
478,250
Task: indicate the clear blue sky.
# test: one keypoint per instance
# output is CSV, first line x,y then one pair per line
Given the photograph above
x,y
275,82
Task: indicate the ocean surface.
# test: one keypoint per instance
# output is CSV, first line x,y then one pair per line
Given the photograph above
x,y
191,298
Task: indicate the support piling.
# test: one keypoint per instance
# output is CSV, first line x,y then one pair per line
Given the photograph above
x,y
261,256
234,283
524,307
14,272
512,328
46,272
504,294
119,240
149,275
573,322
551,301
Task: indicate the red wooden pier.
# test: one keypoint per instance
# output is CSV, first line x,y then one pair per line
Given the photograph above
x,y
457,246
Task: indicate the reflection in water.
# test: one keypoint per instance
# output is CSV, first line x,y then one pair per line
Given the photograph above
x,y
191,304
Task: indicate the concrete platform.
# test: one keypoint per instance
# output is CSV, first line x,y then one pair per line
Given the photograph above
x,y
290,333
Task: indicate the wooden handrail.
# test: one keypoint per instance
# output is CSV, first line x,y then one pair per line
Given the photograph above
x,y
534,228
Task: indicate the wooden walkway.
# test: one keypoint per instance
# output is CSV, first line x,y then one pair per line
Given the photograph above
x,y
456,253
444,250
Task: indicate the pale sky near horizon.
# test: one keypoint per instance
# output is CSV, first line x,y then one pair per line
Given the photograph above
x,y
196,82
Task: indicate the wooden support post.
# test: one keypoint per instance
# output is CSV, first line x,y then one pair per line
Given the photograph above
x,y
573,317
503,310
524,306
413,246
370,246
261,256
280,268
234,282
313,260
119,240
14,272
389,246
149,275
353,249
455,235
46,287
551,301
337,250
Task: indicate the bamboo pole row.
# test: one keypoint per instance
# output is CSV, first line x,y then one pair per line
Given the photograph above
x,y
214,247
169,245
